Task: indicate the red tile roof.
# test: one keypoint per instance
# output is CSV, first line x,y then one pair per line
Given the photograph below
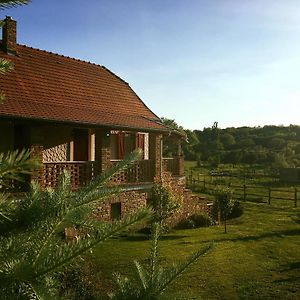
x,y
47,86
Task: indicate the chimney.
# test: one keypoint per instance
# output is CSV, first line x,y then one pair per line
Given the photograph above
x,y
9,36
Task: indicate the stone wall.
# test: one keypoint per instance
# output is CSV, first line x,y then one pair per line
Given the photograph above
x,y
130,202
57,153
190,203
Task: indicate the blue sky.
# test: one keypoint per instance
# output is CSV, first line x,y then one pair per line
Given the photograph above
x,y
196,61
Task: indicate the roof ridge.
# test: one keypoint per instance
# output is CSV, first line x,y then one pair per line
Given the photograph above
x,y
115,75
57,54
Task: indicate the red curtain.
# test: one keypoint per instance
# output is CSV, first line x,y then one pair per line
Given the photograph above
x,y
121,145
140,142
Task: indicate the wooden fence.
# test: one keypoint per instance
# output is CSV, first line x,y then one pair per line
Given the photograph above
x,y
245,192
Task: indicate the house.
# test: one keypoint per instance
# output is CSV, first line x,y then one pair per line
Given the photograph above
x,y
81,117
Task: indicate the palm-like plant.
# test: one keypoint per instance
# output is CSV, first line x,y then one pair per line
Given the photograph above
x,y
153,279
4,4
31,245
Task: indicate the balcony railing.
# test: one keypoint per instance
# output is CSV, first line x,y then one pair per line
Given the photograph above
x,y
174,165
82,172
141,171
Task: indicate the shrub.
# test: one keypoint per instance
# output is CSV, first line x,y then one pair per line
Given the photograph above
x,y
75,285
163,202
187,223
201,220
195,221
224,203
237,210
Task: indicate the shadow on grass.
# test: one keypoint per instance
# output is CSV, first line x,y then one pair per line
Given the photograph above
x,y
291,267
140,238
279,234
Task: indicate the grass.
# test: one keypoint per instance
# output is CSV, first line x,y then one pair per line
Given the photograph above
x,y
257,187
259,258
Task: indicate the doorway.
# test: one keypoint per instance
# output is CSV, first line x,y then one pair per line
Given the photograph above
x,y
81,144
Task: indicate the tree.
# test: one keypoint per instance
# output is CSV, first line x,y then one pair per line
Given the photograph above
x,y
227,140
225,204
169,147
153,279
163,203
31,247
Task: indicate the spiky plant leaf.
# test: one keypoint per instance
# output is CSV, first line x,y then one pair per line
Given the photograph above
x,y
32,249
14,164
5,4
155,279
5,65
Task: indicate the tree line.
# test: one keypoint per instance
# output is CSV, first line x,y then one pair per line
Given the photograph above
x,y
270,146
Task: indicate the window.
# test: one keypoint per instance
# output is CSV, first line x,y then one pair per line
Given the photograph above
x,y
115,211
123,143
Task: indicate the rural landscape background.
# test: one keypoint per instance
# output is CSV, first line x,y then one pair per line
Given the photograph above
x,y
229,73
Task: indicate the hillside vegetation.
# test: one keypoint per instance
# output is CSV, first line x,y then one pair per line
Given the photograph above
x,y
272,147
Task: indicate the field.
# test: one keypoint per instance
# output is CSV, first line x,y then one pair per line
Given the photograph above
x,y
259,258
247,183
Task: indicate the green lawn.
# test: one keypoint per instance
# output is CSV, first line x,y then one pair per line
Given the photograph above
x,y
258,259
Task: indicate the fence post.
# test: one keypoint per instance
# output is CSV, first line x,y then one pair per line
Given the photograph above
x,y
269,199
244,192
295,204
204,182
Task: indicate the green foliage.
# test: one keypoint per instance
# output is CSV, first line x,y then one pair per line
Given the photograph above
x,y
195,221
270,146
5,66
170,147
153,279
4,4
74,284
15,164
31,248
225,203
163,202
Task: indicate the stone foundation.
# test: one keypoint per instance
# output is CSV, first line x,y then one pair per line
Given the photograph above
x,y
130,202
190,204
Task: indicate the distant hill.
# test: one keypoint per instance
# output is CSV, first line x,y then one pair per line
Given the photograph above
x,y
269,145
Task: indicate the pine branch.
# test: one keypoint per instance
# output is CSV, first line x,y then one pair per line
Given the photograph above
x,y
14,164
5,65
65,255
5,4
6,209
174,272
123,164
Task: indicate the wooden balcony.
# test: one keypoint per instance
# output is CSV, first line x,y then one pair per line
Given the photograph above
x,y
81,172
84,171
142,171
174,165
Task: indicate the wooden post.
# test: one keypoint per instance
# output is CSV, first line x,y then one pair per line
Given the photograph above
x,y
204,182
269,199
198,178
244,192
295,203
